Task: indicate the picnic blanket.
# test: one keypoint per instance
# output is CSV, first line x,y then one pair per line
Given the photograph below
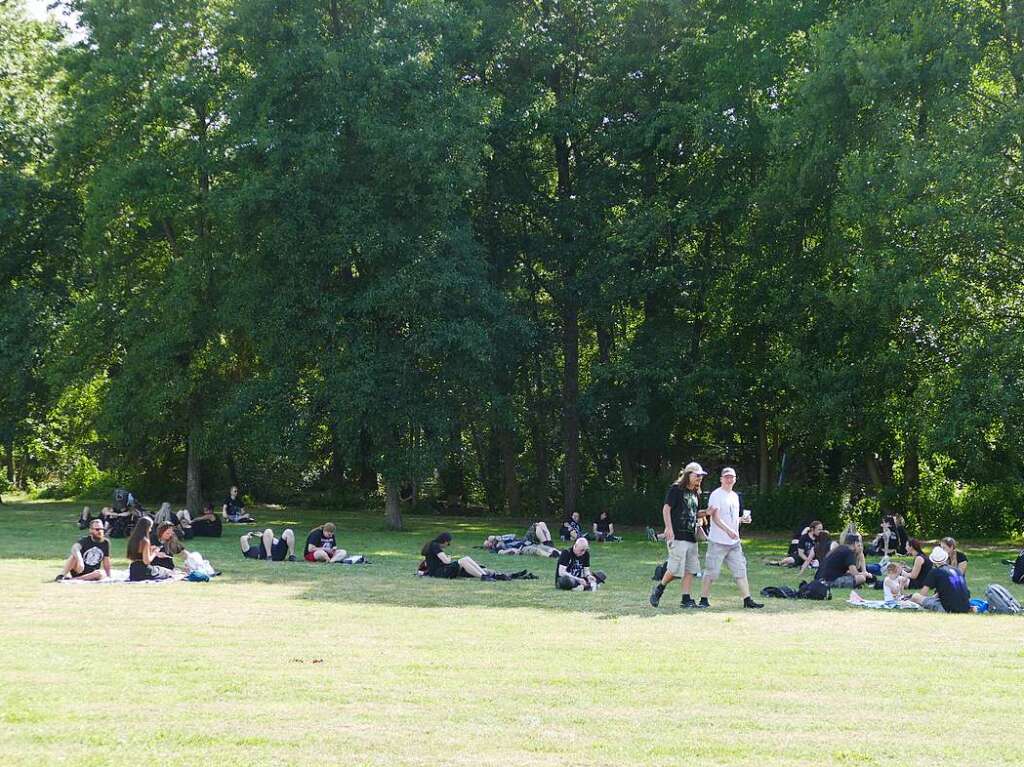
x,y
121,576
881,604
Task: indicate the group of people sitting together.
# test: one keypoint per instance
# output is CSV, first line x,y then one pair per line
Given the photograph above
x,y
601,531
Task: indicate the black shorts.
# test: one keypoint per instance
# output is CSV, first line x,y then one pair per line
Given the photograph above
x,y
140,571
278,550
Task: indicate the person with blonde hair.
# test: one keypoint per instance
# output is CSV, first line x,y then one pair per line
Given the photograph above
x,y
957,559
321,545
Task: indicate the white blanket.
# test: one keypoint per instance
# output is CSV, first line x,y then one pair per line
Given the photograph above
x,y
121,576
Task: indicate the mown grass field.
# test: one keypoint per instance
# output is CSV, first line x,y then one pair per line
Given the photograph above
x,y
297,664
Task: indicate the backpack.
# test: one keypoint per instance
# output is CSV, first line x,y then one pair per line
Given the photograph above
x,y
779,592
659,571
814,590
1001,601
1017,576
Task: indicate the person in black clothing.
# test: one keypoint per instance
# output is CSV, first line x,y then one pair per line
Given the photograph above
x,y
957,559
269,548
844,567
682,515
604,529
233,508
802,550
206,525
141,553
918,571
167,545
951,592
321,546
90,556
572,573
440,565
571,528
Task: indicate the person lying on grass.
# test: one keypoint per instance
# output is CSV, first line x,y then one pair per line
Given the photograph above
x,y
321,546
509,544
265,546
439,564
572,573
951,592
90,556
142,553
844,567
86,517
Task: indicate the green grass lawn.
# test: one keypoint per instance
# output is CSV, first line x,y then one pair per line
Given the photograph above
x,y
291,663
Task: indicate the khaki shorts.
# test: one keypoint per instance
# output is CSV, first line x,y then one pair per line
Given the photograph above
x,y
683,558
732,556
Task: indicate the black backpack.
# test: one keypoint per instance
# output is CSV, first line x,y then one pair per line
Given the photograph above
x,y
659,571
779,592
121,499
814,590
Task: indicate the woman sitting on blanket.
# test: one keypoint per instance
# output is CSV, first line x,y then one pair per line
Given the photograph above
x,y
142,553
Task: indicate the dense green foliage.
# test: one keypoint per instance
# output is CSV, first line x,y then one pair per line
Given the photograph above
x,y
531,256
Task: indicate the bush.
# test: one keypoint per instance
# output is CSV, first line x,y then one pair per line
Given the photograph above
x,y
942,507
788,506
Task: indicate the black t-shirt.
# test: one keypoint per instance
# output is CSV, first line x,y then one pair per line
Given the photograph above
x,y
571,526
960,557
684,505
926,567
435,567
806,544
604,525
93,553
235,506
951,587
574,565
837,563
320,540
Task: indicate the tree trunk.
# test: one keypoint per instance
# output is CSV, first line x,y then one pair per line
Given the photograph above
x,y
193,480
510,479
874,471
628,463
764,475
570,408
911,462
392,507
12,475
232,470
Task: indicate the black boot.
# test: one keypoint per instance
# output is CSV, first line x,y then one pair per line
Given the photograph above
x,y
751,604
687,601
656,592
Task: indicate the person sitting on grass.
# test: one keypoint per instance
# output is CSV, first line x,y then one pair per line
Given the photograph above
x,y
844,567
265,546
886,542
90,556
440,565
206,525
321,546
957,559
951,592
604,529
803,554
234,509
918,571
572,573
86,517
571,528
166,540
142,553
895,582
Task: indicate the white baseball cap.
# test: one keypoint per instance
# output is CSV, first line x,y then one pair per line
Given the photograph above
x,y
694,468
938,556
728,470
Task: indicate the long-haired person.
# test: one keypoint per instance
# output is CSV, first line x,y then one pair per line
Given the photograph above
x,y
321,545
682,513
441,565
141,553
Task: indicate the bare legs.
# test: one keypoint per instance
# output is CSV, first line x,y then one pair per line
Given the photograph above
x,y
472,568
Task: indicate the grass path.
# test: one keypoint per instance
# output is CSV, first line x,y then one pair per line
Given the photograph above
x,y
284,663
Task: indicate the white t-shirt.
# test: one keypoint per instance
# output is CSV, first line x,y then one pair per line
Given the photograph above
x,y
728,504
890,585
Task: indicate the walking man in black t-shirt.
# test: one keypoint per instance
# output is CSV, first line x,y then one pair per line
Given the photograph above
x,y
681,514
90,556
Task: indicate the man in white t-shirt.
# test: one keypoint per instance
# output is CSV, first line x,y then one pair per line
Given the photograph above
x,y
724,541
